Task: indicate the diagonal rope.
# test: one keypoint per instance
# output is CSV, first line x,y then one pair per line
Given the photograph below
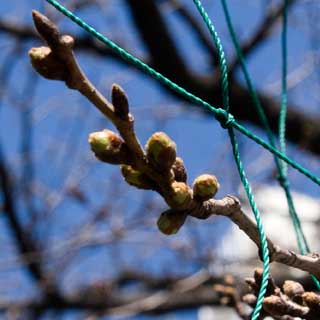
x,y
221,54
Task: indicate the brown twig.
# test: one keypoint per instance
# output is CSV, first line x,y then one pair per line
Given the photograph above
x,y
60,62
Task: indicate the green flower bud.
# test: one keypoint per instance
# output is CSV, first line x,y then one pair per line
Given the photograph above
x,y
181,195
171,221
161,151
108,146
180,173
47,64
205,187
136,178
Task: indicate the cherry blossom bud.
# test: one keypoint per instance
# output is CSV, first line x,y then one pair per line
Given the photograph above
x,y
161,151
205,187
108,147
180,173
171,221
136,178
46,64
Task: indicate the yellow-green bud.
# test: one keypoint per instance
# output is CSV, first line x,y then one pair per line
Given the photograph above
x,y
161,151
47,64
180,195
108,146
205,187
180,173
171,221
136,178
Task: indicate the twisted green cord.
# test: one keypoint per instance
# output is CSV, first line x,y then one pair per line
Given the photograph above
x,y
221,54
237,157
302,241
262,236
225,118
283,108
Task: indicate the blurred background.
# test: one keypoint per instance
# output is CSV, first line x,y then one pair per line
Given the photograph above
x,y
76,241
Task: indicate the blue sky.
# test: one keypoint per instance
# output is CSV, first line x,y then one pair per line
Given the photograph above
x,y
62,120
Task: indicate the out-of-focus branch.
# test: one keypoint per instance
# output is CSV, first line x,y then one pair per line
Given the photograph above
x,y
122,305
289,303
261,33
156,36
24,242
168,295
204,40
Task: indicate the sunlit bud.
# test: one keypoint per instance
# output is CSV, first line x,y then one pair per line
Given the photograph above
x,y
161,151
136,178
180,173
108,146
46,64
181,195
171,221
205,187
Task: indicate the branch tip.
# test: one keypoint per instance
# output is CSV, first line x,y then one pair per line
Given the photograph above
x,y
45,27
120,102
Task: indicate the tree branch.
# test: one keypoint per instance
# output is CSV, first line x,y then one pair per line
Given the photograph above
x,y
58,62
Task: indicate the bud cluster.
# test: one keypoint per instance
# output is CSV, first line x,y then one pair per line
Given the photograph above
x,y
161,155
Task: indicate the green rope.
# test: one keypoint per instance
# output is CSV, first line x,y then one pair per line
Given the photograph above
x,y
283,108
236,154
226,119
221,54
262,236
301,240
